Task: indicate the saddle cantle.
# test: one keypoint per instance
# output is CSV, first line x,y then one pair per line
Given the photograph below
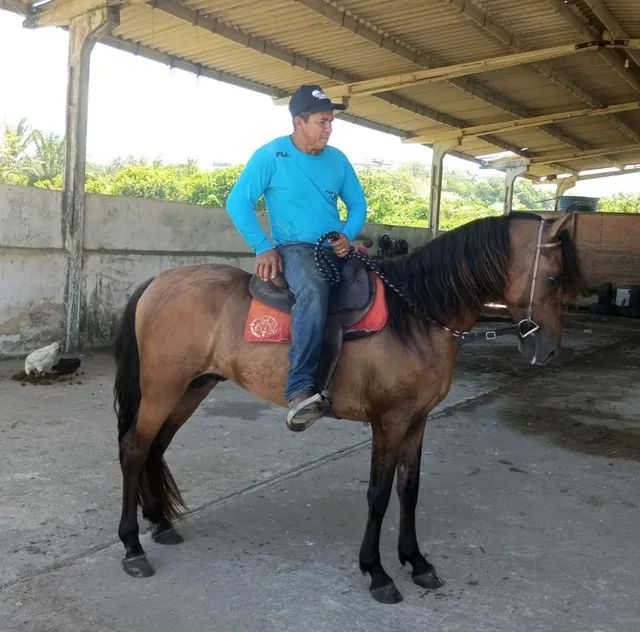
x,y
355,292
357,308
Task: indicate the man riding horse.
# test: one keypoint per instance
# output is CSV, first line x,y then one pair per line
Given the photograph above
x,y
301,178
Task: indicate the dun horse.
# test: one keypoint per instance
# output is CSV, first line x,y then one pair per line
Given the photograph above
x,y
182,333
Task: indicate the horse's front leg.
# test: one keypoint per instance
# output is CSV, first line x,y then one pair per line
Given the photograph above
x,y
408,485
384,456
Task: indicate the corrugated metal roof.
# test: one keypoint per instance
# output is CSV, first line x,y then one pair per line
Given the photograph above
x,y
275,45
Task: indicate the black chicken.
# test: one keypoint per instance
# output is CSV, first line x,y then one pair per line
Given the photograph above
x,y
66,366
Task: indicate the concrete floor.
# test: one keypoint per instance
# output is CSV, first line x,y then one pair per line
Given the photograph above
x,y
529,506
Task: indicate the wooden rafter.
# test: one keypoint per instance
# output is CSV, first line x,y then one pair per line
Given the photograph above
x,y
403,80
580,26
531,121
614,27
61,12
552,177
370,33
484,20
544,159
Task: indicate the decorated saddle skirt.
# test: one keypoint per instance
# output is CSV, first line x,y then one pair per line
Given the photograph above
x,y
269,318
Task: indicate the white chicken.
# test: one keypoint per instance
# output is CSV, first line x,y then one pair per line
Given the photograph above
x,y
42,359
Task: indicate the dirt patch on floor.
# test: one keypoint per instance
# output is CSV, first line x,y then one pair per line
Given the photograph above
x,y
45,379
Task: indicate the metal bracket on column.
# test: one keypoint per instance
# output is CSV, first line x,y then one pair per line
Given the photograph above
x,y
440,149
512,172
564,185
84,31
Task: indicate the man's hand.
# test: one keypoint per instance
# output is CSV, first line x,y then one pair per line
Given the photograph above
x,y
268,265
341,246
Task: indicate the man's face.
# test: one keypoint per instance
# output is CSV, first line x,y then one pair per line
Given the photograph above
x,y
316,131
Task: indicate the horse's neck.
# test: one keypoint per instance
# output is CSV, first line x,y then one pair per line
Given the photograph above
x,y
465,323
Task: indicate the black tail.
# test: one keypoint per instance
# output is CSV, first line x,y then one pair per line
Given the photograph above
x,y
127,396
126,389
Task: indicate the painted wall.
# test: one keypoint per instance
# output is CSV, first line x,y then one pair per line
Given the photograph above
x,y
126,241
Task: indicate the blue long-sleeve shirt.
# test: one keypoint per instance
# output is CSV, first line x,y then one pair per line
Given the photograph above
x,y
301,192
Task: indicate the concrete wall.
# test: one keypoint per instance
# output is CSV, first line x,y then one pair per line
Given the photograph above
x,y
126,241
608,245
33,268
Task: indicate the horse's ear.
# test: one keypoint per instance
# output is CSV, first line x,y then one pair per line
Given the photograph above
x,y
559,225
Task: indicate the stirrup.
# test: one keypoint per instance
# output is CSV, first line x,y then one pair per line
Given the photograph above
x,y
298,419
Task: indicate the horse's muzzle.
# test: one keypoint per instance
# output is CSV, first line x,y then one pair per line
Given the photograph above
x,y
539,347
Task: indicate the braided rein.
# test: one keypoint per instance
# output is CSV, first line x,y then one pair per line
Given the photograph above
x,y
332,276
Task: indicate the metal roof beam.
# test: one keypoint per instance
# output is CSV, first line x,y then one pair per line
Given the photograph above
x,y
61,12
378,37
543,159
592,176
444,73
580,26
481,17
611,24
531,121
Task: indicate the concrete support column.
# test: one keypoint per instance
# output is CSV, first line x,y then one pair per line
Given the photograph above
x,y
564,185
511,174
84,30
440,149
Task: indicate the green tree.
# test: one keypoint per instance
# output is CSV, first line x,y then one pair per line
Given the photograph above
x,y
620,203
392,198
46,164
211,187
456,211
14,152
528,196
148,182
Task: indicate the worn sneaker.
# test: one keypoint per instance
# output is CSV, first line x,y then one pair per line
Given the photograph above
x,y
304,409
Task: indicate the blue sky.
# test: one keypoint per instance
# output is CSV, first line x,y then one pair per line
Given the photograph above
x,y
141,108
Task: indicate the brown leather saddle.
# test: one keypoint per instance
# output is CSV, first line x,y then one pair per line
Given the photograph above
x,y
348,303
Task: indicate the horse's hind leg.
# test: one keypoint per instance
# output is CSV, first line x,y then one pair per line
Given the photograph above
x,y
134,449
408,482
161,499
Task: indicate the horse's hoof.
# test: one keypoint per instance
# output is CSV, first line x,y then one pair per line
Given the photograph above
x,y
428,579
137,566
168,536
386,594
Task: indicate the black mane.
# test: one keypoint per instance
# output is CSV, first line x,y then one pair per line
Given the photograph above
x,y
460,271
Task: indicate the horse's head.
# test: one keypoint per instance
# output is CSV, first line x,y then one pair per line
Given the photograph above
x,y
542,267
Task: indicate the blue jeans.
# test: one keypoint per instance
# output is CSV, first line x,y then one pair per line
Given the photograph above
x,y
308,314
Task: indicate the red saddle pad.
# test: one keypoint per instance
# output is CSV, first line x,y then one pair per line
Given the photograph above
x,y
268,324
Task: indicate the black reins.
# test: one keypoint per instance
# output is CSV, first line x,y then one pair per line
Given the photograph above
x,y
524,328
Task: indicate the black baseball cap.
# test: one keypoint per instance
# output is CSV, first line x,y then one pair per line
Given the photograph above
x,y
311,98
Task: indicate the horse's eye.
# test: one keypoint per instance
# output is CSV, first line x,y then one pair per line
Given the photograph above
x,y
553,281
